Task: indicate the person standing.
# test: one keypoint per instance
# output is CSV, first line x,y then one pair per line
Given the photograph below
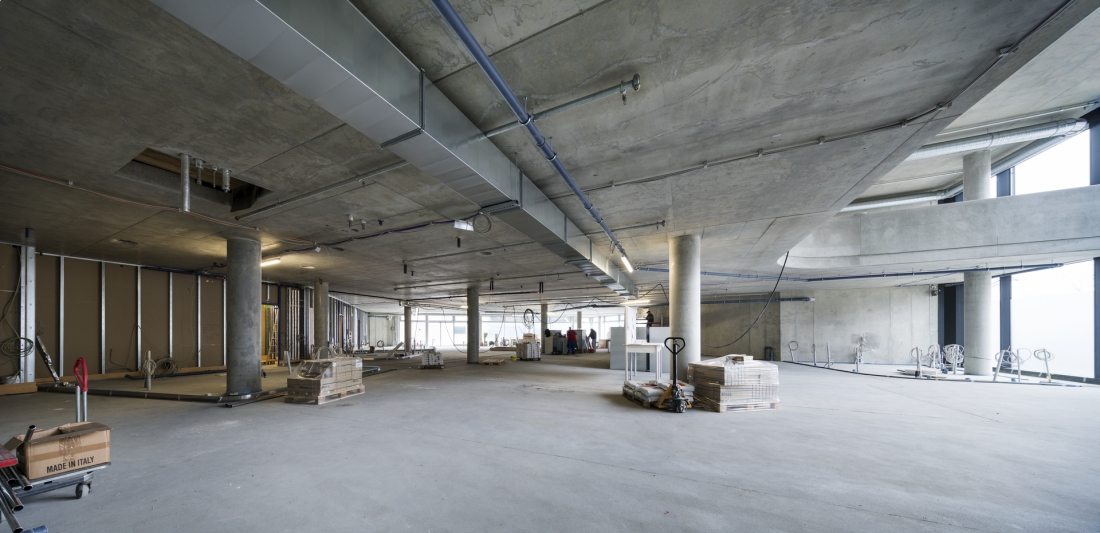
x,y
592,335
571,341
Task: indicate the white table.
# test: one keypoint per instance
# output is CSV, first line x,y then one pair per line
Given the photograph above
x,y
633,350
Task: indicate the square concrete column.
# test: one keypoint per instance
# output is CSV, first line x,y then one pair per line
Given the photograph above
x,y
544,323
473,325
242,316
684,297
410,343
320,314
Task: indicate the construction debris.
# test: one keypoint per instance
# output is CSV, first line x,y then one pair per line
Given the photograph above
x,y
325,380
735,383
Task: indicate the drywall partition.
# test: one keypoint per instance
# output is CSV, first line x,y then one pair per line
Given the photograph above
x,y
46,311
895,319
9,281
154,314
211,327
120,326
82,314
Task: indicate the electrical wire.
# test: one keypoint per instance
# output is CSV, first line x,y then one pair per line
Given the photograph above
x,y
770,297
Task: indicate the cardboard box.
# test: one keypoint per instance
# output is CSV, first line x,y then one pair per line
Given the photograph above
x,y
63,449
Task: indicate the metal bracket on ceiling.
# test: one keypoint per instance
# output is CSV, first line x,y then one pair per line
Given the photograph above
x,y
420,124
503,207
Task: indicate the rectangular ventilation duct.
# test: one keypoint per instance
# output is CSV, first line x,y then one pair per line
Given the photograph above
x,y
328,52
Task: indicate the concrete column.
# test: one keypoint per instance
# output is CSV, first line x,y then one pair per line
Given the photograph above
x,y
979,331
577,325
242,313
978,326
473,325
684,295
544,324
320,314
1094,179
977,184
410,343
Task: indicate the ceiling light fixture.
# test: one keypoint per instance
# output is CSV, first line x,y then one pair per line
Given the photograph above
x,y
626,264
274,261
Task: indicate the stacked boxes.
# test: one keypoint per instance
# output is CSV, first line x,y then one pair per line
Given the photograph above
x,y
324,380
528,351
431,359
735,383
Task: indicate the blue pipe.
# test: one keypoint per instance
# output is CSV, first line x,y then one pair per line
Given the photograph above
x,y
455,22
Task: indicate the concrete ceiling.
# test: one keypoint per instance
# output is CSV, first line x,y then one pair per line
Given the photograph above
x,y
90,85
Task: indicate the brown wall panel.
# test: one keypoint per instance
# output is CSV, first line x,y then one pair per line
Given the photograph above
x,y
9,281
82,314
211,321
121,330
184,332
154,314
46,310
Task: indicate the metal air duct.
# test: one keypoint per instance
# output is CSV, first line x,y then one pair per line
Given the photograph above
x,y
329,53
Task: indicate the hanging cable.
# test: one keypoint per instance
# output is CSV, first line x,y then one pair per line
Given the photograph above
x,y
770,296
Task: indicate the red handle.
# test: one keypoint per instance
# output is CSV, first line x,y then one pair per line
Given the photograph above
x,y
80,369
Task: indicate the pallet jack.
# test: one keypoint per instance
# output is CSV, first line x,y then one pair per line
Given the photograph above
x,y
674,398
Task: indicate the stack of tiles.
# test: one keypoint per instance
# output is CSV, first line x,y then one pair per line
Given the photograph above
x,y
325,380
735,383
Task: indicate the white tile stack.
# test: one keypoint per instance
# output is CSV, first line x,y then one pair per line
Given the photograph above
x,y
528,351
735,383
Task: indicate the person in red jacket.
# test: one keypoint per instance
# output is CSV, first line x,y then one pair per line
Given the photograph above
x,y
571,338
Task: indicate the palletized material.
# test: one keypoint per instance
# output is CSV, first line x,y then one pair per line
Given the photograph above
x,y
735,383
431,358
528,351
647,393
325,380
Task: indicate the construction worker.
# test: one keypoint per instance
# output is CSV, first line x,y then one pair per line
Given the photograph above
x,y
571,338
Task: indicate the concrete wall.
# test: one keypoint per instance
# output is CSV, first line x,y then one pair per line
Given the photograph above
x,y
895,319
722,323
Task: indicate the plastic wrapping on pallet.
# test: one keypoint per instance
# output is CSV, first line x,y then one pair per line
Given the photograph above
x,y
528,351
321,380
735,383
431,358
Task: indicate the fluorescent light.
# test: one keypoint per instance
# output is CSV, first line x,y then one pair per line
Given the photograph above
x,y
274,261
462,224
626,263
637,302
465,307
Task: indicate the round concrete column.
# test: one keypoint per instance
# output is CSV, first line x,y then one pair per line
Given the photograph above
x,y
473,325
320,314
410,343
684,292
977,183
544,324
978,324
242,316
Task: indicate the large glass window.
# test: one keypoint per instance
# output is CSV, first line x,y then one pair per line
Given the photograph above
x,y
1063,167
1053,309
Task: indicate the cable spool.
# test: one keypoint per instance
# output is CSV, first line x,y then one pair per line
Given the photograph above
x,y
482,223
529,319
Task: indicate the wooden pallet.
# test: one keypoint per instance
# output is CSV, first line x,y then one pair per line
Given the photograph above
x,y
321,400
431,367
494,362
727,407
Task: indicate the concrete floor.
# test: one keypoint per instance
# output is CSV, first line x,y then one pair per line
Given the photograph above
x,y
552,446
